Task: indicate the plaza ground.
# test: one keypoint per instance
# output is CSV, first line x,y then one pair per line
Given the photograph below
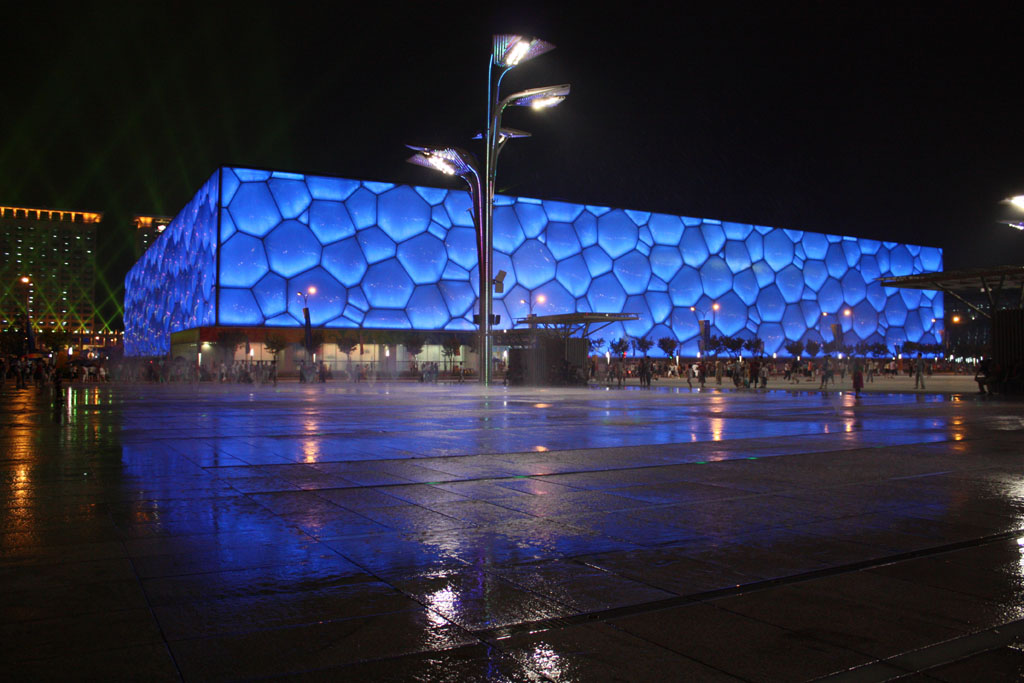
x,y
432,532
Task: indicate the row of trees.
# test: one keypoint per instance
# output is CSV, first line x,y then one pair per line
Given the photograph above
x,y
754,346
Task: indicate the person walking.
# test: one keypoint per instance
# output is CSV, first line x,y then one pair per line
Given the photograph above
x,y
858,379
919,371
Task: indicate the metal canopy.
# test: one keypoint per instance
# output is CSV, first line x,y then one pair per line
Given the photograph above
x,y
565,324
991,281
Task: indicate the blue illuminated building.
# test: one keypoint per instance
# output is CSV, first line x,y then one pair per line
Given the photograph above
x,y
387,256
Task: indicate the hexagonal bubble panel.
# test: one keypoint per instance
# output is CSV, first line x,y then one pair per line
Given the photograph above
x,y
345,261
562,212
732,314
427,309
424,258
771,304
831,296
376,245
402,213
239,307
778,250
686,287
793,322
736,256
695,250
242,261
459,297
586,229
531,217
606,295
598,262
508,233
574,275
387,320
665,261
616,233
325,304
556,299
684,323
716,277
791,283
665,229
644,323
334,189
660,304
387,285
562,240
633,271
461,246
292,248
330,221
254,210
292,196
362,207
534,264
900,261
272,295
745,286
459,206
773,336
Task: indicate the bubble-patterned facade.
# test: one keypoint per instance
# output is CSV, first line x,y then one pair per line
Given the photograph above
x,y
387,256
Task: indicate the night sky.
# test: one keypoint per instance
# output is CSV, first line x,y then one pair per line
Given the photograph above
x,y
899,123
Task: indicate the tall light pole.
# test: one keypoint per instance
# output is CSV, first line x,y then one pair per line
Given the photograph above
x,y
509,51
459,162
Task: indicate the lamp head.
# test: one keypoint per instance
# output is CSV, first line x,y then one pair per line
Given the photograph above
x,y
540,98
511,50
448,160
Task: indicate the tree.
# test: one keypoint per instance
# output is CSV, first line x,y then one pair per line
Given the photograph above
x,y
275,344
794,348
830,347
346,341
812,346
413,343
451,347
754,345
667,345
732,345
644,344
620,346
595,344
229,340
715,344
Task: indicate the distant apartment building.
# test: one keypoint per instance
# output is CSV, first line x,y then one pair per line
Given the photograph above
x,y
147,229
49,268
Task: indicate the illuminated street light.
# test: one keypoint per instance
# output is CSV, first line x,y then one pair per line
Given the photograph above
x,y
508,51
540,299
459,162
1012,216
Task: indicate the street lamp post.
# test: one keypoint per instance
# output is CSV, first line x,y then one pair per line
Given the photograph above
x,y
305,316
705,330
508,52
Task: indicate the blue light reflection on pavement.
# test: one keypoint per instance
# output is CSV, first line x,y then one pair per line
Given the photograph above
x,y
443,512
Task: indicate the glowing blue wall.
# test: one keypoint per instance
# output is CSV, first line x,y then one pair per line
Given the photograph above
x,y
394,256
172,286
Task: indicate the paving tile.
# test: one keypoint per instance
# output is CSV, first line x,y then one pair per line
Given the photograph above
x,y
742,647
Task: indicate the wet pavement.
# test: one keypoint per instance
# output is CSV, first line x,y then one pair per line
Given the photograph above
x,y
411,532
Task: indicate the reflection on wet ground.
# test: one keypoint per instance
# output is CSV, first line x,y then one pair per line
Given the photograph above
x,y
443,533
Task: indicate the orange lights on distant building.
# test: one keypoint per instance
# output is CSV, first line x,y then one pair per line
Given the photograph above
x,y
50,214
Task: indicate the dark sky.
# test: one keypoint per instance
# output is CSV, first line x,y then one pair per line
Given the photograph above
x,y
876,120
